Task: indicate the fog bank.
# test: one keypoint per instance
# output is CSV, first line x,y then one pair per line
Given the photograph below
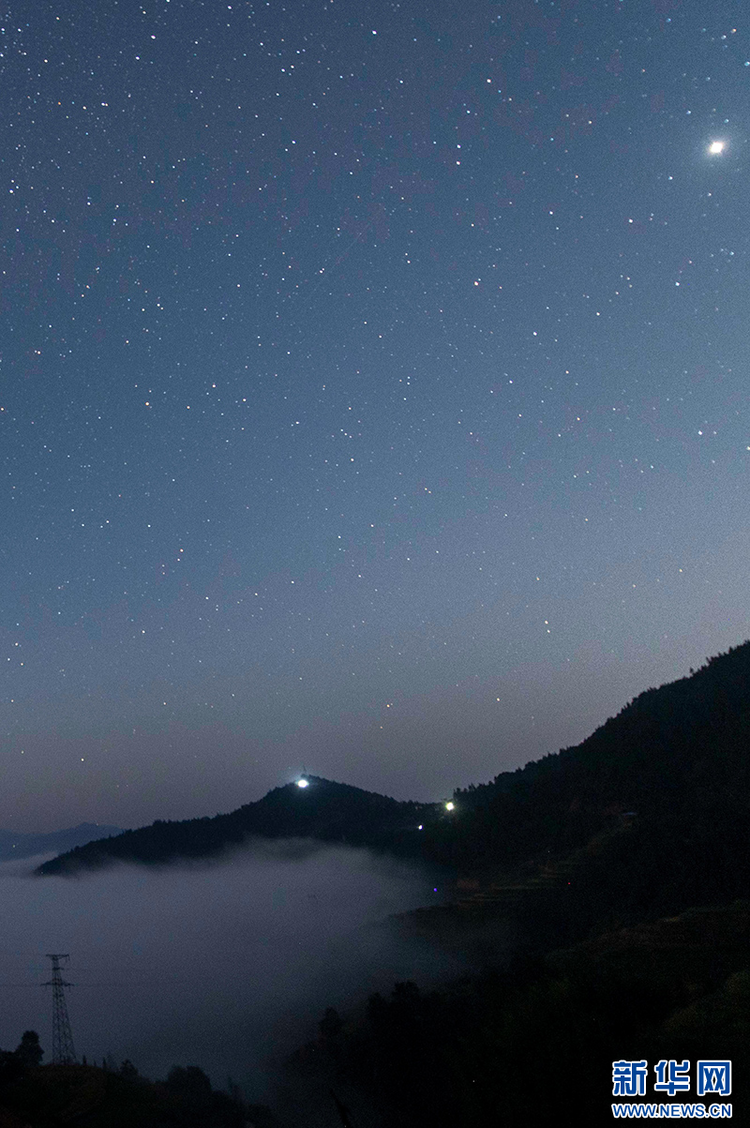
x,y
226,965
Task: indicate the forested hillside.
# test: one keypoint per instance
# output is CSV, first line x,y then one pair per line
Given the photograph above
x,y
324,810
668,775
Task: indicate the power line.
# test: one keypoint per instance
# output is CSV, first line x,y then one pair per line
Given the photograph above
x,y
63,1052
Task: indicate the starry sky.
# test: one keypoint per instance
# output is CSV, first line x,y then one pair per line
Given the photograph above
x,y
373,388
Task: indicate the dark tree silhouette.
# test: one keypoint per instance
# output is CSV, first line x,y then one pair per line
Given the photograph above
x,y
28,1050
128,1070
330,1024
189,1081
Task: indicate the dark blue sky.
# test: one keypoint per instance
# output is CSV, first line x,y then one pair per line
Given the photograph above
x,y
374,388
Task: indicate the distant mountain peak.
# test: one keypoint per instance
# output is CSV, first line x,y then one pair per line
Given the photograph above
x,y
27,845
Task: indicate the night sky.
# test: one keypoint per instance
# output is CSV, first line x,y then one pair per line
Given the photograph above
x,y
373,388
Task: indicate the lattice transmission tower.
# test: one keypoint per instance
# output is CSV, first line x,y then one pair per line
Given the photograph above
x,y
63,1052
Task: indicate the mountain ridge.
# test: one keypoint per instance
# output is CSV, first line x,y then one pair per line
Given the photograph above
x,y
25,844
326,810
671,768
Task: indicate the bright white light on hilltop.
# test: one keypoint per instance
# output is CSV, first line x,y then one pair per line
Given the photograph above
x,y
450,806
716,147
303,783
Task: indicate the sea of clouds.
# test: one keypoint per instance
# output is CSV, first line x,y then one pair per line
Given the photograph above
x,y
226,965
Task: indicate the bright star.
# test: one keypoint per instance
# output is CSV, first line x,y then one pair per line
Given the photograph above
x,y
716,147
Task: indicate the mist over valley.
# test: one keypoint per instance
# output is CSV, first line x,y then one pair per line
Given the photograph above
x,y
228,965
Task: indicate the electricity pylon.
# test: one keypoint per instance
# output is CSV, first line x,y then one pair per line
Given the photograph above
x,y
63,1052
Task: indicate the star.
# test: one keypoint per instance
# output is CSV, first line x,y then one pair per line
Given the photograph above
x,y
716,147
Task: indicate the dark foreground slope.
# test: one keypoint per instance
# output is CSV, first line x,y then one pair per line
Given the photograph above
x,y
532,1044
50,1096
326,811
619,871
